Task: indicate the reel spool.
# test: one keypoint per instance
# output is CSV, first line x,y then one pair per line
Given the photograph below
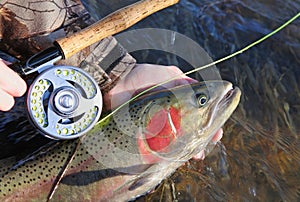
x,y
64,102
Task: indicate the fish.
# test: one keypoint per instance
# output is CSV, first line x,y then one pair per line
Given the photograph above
x,y
128,154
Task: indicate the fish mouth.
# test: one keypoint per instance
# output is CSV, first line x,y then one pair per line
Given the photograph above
x,y
227,96
225,105
231,94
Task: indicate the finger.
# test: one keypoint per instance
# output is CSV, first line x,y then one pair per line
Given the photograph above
x,y
10,81
218,136
199,156
181,78
5,62
6,101
145,75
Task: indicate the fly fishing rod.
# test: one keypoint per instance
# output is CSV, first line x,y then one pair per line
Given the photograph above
x,y
64,102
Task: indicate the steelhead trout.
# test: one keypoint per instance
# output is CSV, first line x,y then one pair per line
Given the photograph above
x,y
128,154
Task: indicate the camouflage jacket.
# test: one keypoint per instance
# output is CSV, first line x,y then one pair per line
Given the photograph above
x,y
27,27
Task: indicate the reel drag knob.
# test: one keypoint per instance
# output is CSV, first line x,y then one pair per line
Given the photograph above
x,y
64,102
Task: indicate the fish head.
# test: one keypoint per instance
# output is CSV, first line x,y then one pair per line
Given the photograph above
x,y
180,122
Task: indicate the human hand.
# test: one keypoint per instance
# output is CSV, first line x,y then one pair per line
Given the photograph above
x,y
147,75
140,78
11,85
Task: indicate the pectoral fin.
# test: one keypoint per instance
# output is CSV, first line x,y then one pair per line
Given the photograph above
x,y
140,182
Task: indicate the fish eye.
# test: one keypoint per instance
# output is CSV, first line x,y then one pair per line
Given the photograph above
x,y
202,99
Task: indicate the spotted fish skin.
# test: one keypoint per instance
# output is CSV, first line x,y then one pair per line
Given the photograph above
x,y
128,154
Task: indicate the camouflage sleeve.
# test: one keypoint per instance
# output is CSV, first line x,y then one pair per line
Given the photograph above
x,y
107,63
28,26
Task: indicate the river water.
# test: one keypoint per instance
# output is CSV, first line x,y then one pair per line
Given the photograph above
x,y
258,158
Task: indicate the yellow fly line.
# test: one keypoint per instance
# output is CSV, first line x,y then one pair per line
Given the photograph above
x,y
205,66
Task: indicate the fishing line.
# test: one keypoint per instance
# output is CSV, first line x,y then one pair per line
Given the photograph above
x,y
204,66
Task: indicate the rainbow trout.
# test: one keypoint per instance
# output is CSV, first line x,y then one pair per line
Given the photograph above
x,y
128,154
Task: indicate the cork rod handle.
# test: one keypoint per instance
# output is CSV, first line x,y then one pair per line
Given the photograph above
x,y
111,24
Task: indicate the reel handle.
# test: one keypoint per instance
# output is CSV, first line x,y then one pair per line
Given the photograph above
x,y
37,62
110,25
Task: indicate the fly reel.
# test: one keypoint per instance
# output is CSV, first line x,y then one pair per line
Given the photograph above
x,y
64,102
